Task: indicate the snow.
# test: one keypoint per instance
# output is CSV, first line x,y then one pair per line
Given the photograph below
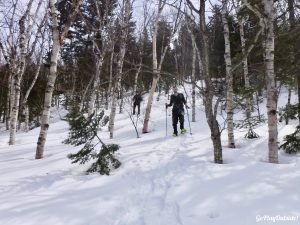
x,y
162,181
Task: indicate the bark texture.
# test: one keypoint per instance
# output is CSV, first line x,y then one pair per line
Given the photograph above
x,y
229,77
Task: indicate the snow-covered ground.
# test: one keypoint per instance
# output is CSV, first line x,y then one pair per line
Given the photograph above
x,y
162,181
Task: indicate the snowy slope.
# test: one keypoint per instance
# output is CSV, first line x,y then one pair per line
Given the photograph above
x,y
162,181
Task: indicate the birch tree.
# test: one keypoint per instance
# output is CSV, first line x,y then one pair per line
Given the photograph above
x,y
18,58
125,16
241,22
270,79
100,47
193,78
156,75
157,65
267,23
39,61
58,39
229,76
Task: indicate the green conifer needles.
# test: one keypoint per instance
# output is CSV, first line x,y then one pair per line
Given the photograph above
x,y
83,131
292,142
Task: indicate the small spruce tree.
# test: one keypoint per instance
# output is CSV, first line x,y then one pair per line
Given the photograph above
x,y
288,112
250,123
83,131
292,142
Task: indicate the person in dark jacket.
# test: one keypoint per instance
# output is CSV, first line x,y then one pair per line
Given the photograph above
x,y
177,101
137,98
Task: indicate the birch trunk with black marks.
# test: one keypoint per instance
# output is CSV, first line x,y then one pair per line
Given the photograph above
x,y
193,78
229,77
156,74
26,24
57,39
96,84
270,80
117,87
17,76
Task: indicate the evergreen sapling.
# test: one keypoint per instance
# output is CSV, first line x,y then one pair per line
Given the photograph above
x,y
292,142
83,131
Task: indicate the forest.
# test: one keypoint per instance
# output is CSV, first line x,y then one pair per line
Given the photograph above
x,y
76,148
94,55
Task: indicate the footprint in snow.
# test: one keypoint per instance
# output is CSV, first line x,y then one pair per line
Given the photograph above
x,y
213,215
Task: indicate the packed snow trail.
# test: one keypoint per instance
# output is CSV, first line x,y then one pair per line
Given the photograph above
x,y
162,180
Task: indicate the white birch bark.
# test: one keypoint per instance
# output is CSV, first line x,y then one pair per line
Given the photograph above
x,y
17,76
24,103
57,39
229,77
117,86
155,69
111,64
156,66
137,75
85,93
270,79
100,50
96,85
241,22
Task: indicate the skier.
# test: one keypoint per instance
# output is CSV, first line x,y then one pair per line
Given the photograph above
x,y
137,102
177,100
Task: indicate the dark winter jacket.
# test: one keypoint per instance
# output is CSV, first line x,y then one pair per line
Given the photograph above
x,y
177,100
137,98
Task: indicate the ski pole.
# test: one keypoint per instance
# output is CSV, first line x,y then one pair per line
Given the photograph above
x,y
166,120
187,112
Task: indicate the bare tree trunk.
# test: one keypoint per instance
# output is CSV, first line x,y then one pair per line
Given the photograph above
x,y
137,75
58,39
270,79
288,106
111,71
110,81
149,102
18,73
121,99
241,22
17,76
156,66
229,77
24,103
96,84
10,98
26,114
7,119
245,68
193,78
210,110
123,39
